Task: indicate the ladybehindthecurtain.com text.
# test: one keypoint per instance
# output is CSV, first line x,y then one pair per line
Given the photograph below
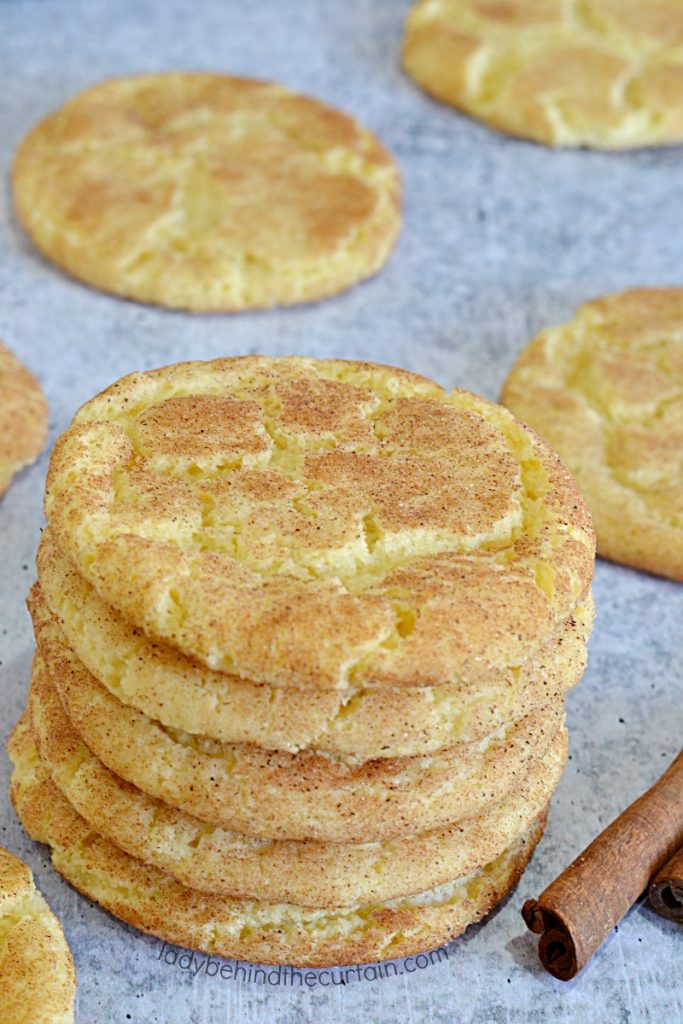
x,y
292,977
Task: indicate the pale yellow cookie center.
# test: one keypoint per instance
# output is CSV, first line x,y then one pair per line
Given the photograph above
x,y
319,478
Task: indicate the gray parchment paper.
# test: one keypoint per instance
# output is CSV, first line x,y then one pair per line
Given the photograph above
x,y
501,238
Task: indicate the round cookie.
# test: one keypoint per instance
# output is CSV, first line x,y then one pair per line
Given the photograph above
x,y
207,192
606,390
371,722
37,977
607,75
250,929
23,417
305,873
308,795
317,523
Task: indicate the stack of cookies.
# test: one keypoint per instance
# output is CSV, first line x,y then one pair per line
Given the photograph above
x,y
304,633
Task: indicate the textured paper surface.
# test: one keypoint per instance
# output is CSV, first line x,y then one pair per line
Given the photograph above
x,y
500,238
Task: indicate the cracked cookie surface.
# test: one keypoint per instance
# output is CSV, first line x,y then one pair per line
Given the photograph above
x,y
207,192
606,390
598,73
321,523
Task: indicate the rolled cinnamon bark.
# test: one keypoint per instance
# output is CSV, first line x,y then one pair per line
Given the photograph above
x,y
666,889
578,910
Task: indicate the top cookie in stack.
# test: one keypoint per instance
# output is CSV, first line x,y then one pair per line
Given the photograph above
x,y
320,524
318,617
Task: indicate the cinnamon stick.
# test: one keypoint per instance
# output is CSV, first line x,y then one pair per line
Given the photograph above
x,y
579,909
666,889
